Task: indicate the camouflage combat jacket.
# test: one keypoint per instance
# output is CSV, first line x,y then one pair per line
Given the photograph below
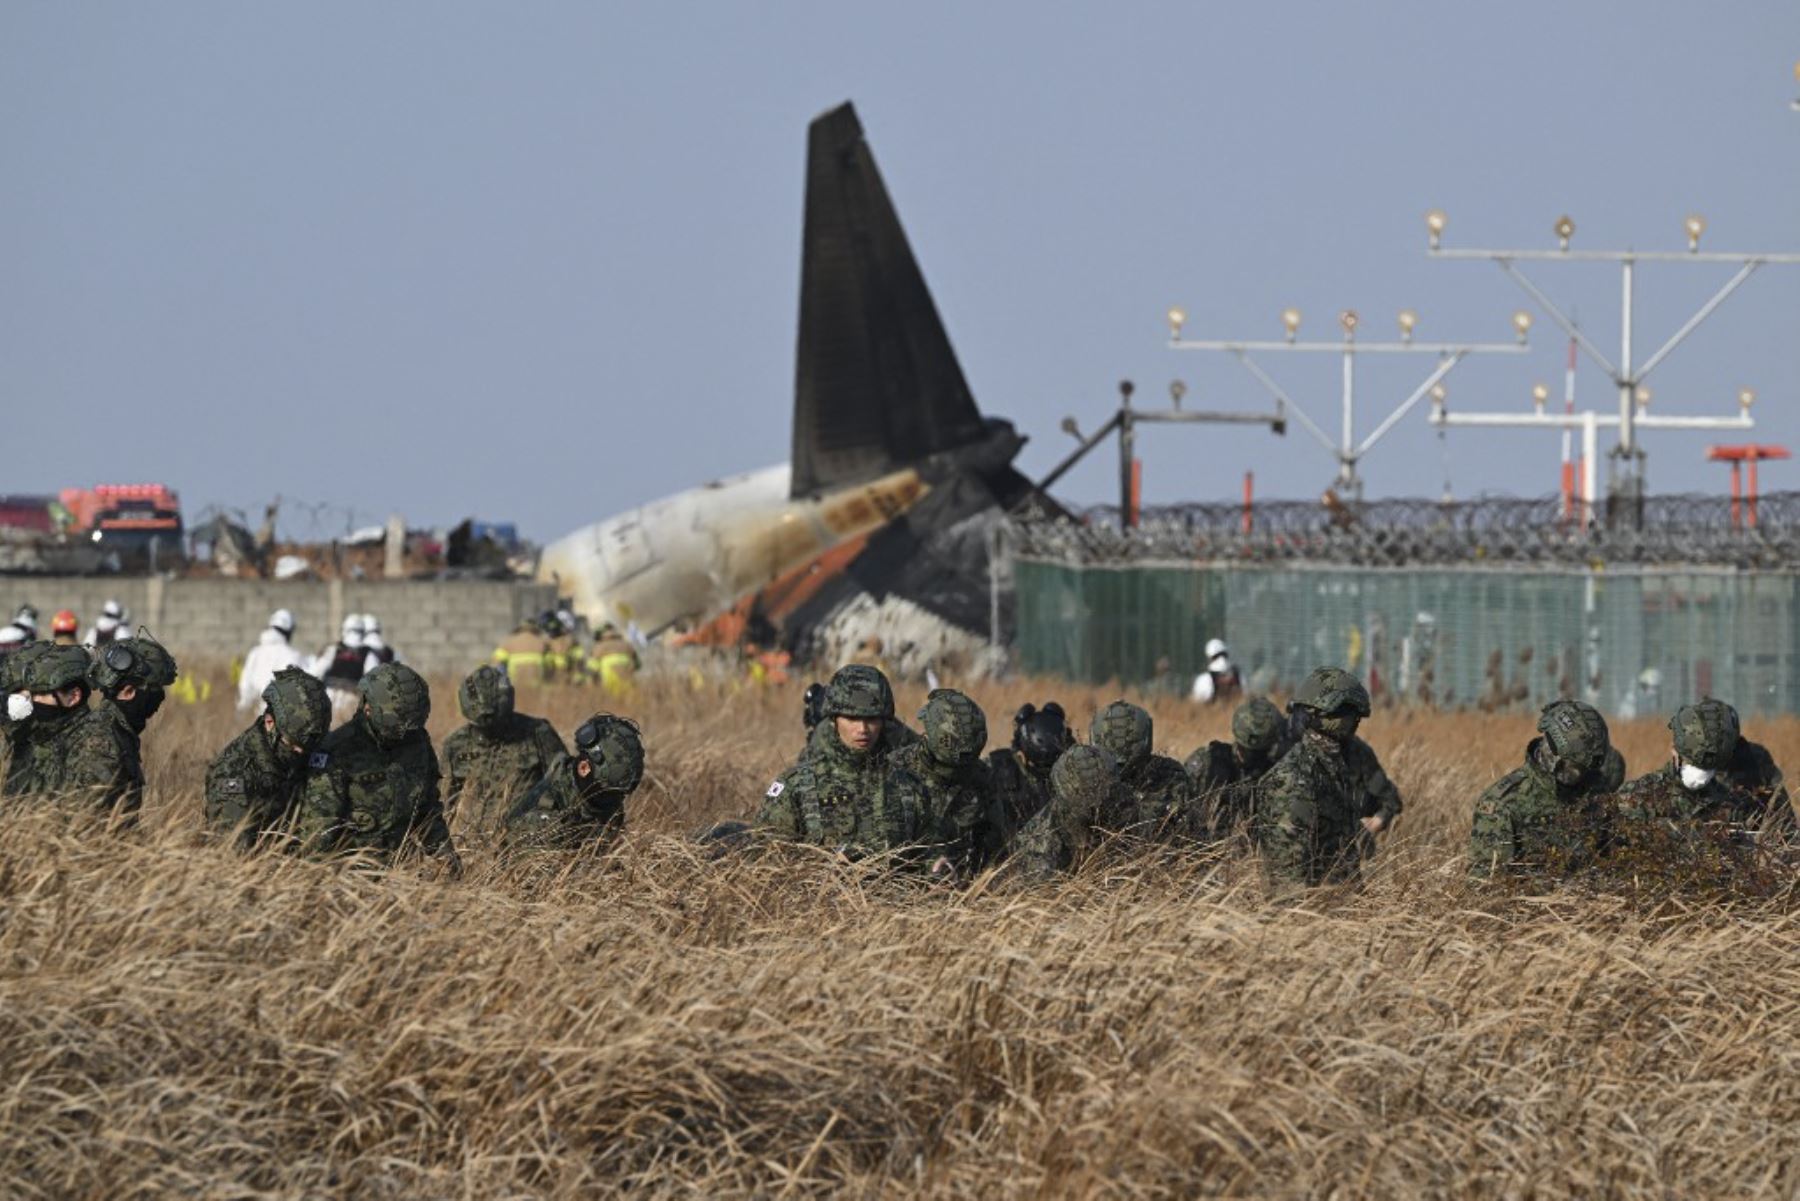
x,y
1061,834
837,798
1016,794
360,795
555,814
1156,797
1308,813
953,804
252,787
1223,791
489,769
1526,823
1753,771
1660,796
1379,796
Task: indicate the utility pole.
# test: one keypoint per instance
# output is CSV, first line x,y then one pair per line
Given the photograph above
x,y
1345,448
1627,373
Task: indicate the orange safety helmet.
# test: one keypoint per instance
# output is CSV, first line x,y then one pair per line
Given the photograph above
x,y
64,622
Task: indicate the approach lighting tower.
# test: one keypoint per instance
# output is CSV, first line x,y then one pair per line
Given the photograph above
x,y
1627,375
1346,449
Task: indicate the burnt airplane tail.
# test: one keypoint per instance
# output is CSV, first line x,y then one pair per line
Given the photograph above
x,y
877,385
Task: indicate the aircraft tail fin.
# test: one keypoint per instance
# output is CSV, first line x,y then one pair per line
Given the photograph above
x,y
877,385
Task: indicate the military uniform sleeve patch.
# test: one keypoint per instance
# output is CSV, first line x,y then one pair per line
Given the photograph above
x,y
776,789
317,760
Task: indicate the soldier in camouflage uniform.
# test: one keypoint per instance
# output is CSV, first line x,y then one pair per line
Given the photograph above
x,y
495,759
255,782
1156,784
944,777
373,783
1689,791
837,794
1312,807
15,723
582,798
48,703
1548,813
1019,777
86,755
1224,774
1752,771
1086,798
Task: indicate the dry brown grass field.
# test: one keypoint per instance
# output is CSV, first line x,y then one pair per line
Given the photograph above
x,y
176,1021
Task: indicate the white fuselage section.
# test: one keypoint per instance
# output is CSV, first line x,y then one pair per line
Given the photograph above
x,y
687,558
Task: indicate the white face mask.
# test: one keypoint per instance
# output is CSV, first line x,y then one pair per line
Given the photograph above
x,y
1695,778
18,706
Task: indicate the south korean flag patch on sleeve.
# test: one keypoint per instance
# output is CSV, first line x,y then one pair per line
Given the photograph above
x,y
776,789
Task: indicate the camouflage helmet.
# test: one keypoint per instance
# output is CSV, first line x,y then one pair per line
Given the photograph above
x,y
140,661
398,701
1612,772
299,705
15,669
1706,733
955,727
859,691
1257,724
55,667
1083,776
615,749
486,695
1575,732
1329,689
1126,731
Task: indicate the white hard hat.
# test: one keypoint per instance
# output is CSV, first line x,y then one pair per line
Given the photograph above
x,y
26,619
282,620
112,609
371,623
353,629
1216,647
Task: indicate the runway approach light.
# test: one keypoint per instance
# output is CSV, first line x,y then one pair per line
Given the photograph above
x,y
1071,428
1747,396
1642,396
1695,225
1435,221
1565,229
1177,390
1290,321
1439,394
1407,320
1348,320
1539,394
1177,319
1521,325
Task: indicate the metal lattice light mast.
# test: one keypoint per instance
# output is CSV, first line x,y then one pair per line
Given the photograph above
x,y
1627,376
1346,449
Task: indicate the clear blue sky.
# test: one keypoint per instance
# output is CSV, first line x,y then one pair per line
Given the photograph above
x,y
540,261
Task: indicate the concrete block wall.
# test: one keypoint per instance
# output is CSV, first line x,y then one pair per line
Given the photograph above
x,y
439,626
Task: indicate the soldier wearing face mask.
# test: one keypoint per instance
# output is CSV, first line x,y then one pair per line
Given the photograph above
x,y
1316,808
254,784
1548,814
85,756
1688,790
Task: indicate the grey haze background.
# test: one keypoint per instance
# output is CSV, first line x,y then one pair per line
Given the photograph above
x,y
541,261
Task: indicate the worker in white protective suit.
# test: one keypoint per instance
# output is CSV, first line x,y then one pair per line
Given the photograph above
x,y
274,650
1219,683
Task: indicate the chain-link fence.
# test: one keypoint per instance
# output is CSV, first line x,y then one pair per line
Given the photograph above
x,y
1635,622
